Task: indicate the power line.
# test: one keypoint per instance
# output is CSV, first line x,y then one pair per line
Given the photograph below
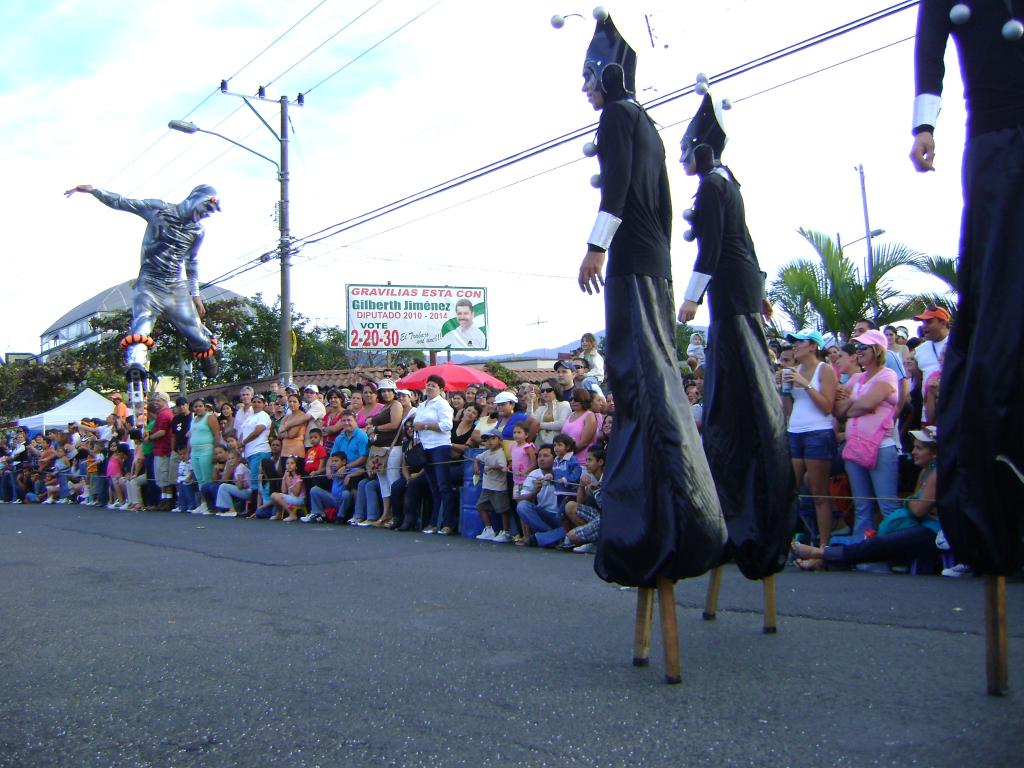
x,y
350,223
576,160
209,96
379,42
325,42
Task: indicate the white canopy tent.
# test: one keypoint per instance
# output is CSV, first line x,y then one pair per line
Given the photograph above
x,y
86,404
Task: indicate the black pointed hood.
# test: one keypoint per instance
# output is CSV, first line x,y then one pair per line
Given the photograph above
x,y
705,128
612,60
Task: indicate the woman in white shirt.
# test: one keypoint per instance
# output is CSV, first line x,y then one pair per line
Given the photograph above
x,y
551,413
812,442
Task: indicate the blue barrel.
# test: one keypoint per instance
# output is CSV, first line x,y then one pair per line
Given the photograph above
x,y
470,524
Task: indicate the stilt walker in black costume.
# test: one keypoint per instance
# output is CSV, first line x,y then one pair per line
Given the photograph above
x,y
981,413
744,427
660,520
660,516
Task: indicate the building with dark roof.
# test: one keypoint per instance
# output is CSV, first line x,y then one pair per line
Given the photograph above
x,y
72,329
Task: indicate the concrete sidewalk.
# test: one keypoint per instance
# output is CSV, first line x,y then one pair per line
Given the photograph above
x,y
160,639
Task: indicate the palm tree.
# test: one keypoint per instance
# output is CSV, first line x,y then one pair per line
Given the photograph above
x,y
943,268
830,294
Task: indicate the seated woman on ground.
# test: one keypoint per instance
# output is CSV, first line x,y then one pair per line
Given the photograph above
x,y
904,535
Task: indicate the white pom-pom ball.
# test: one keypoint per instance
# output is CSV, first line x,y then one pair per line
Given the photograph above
x,y
960,13
589,149
688,214
558,21
1013,30
701,87
726,104
600,13
595,181
702,77
689,236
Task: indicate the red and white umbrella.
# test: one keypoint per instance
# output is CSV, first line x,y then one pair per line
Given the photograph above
x,y
456,378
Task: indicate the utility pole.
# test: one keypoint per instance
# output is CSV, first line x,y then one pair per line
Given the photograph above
x,y
284,248
283,219
869,271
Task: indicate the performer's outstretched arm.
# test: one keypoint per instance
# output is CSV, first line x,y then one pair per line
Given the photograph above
x,y
143,208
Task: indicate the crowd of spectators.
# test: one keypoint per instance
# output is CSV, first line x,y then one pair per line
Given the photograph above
x,y
528,460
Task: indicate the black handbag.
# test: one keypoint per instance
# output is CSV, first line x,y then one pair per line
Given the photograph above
x,y
416,456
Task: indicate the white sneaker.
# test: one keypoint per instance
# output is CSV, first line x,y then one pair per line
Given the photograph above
x,y
232,513
202,509
502,538
48,500
585,549
17,501
63,501
365,523
487,534
957,571
310,518
175,509
355,520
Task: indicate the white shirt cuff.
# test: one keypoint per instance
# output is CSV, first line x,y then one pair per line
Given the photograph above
x,y
926,109
698,284
604,230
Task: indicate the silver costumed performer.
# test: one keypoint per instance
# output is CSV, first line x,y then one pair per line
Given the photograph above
x,y
169,248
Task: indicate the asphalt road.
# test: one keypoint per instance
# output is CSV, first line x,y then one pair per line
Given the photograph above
x,y
148,639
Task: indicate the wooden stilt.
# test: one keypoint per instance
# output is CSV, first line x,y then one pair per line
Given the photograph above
x,y
642,631
711,601
669,629
770,624
996,654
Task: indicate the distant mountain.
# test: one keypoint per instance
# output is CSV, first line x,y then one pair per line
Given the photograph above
x,y
542,352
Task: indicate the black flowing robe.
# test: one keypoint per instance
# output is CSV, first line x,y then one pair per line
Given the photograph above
x,y
660,515
744,427
981,405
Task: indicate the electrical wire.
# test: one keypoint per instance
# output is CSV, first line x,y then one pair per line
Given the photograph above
x,y
456,181
325,42
372,47
210,95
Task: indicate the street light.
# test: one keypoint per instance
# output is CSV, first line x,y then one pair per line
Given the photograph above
x,y
874,233
284,243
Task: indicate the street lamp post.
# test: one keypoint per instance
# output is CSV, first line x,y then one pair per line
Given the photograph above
x,y
284,242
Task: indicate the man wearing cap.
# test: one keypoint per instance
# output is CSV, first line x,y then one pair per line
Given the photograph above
x,y
181,424
314,408
935,327
120,409
565,373
981,412
661,516
162,441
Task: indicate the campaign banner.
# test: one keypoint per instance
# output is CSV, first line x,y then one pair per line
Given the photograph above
x,y
429,317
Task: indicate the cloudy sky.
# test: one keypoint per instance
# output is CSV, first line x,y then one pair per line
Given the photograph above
x,y
87,89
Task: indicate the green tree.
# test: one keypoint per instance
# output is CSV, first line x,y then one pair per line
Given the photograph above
x,y
829,293
507,375
943,268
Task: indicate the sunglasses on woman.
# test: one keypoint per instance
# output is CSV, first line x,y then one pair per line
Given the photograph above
x,y
546,389
861,347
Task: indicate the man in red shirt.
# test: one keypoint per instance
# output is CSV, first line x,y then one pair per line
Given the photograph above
x,y
165,463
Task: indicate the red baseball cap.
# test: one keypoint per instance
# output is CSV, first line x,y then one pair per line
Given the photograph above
x,y
938,313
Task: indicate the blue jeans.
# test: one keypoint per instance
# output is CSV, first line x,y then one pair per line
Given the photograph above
x,y
186,497
368,499
254,469
866,483
538,519
321,498
227,493
441,490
